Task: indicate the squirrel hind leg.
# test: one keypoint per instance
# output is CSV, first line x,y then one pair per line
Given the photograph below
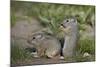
x,y
54,55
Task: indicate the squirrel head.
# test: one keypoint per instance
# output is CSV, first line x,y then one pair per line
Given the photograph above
x,y
35,38
68,21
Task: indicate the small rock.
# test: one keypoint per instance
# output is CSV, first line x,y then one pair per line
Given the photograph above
x,y
61,57
86,54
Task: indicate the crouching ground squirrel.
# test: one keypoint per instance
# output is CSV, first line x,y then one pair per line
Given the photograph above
x,y
46,45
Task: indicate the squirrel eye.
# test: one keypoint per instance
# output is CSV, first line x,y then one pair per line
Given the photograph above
x,y
67,20
33,38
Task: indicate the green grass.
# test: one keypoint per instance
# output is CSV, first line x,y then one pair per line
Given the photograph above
x,y
18,54
86,45
13,19
51,15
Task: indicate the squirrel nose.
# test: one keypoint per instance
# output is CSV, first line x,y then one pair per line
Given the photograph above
x,y
61,24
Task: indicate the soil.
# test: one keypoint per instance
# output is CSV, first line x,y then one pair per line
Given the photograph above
x,y
45,61
39,61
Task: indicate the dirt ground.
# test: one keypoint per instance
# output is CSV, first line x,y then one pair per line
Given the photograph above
x,y
40,61
45,61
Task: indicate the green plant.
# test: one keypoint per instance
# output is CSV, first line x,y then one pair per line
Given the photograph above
x,y
18,53
51,15
13,19
86,45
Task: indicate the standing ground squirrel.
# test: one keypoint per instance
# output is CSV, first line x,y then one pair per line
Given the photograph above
x,y
70,29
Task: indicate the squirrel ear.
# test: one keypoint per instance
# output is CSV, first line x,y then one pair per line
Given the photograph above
x,y
73,19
